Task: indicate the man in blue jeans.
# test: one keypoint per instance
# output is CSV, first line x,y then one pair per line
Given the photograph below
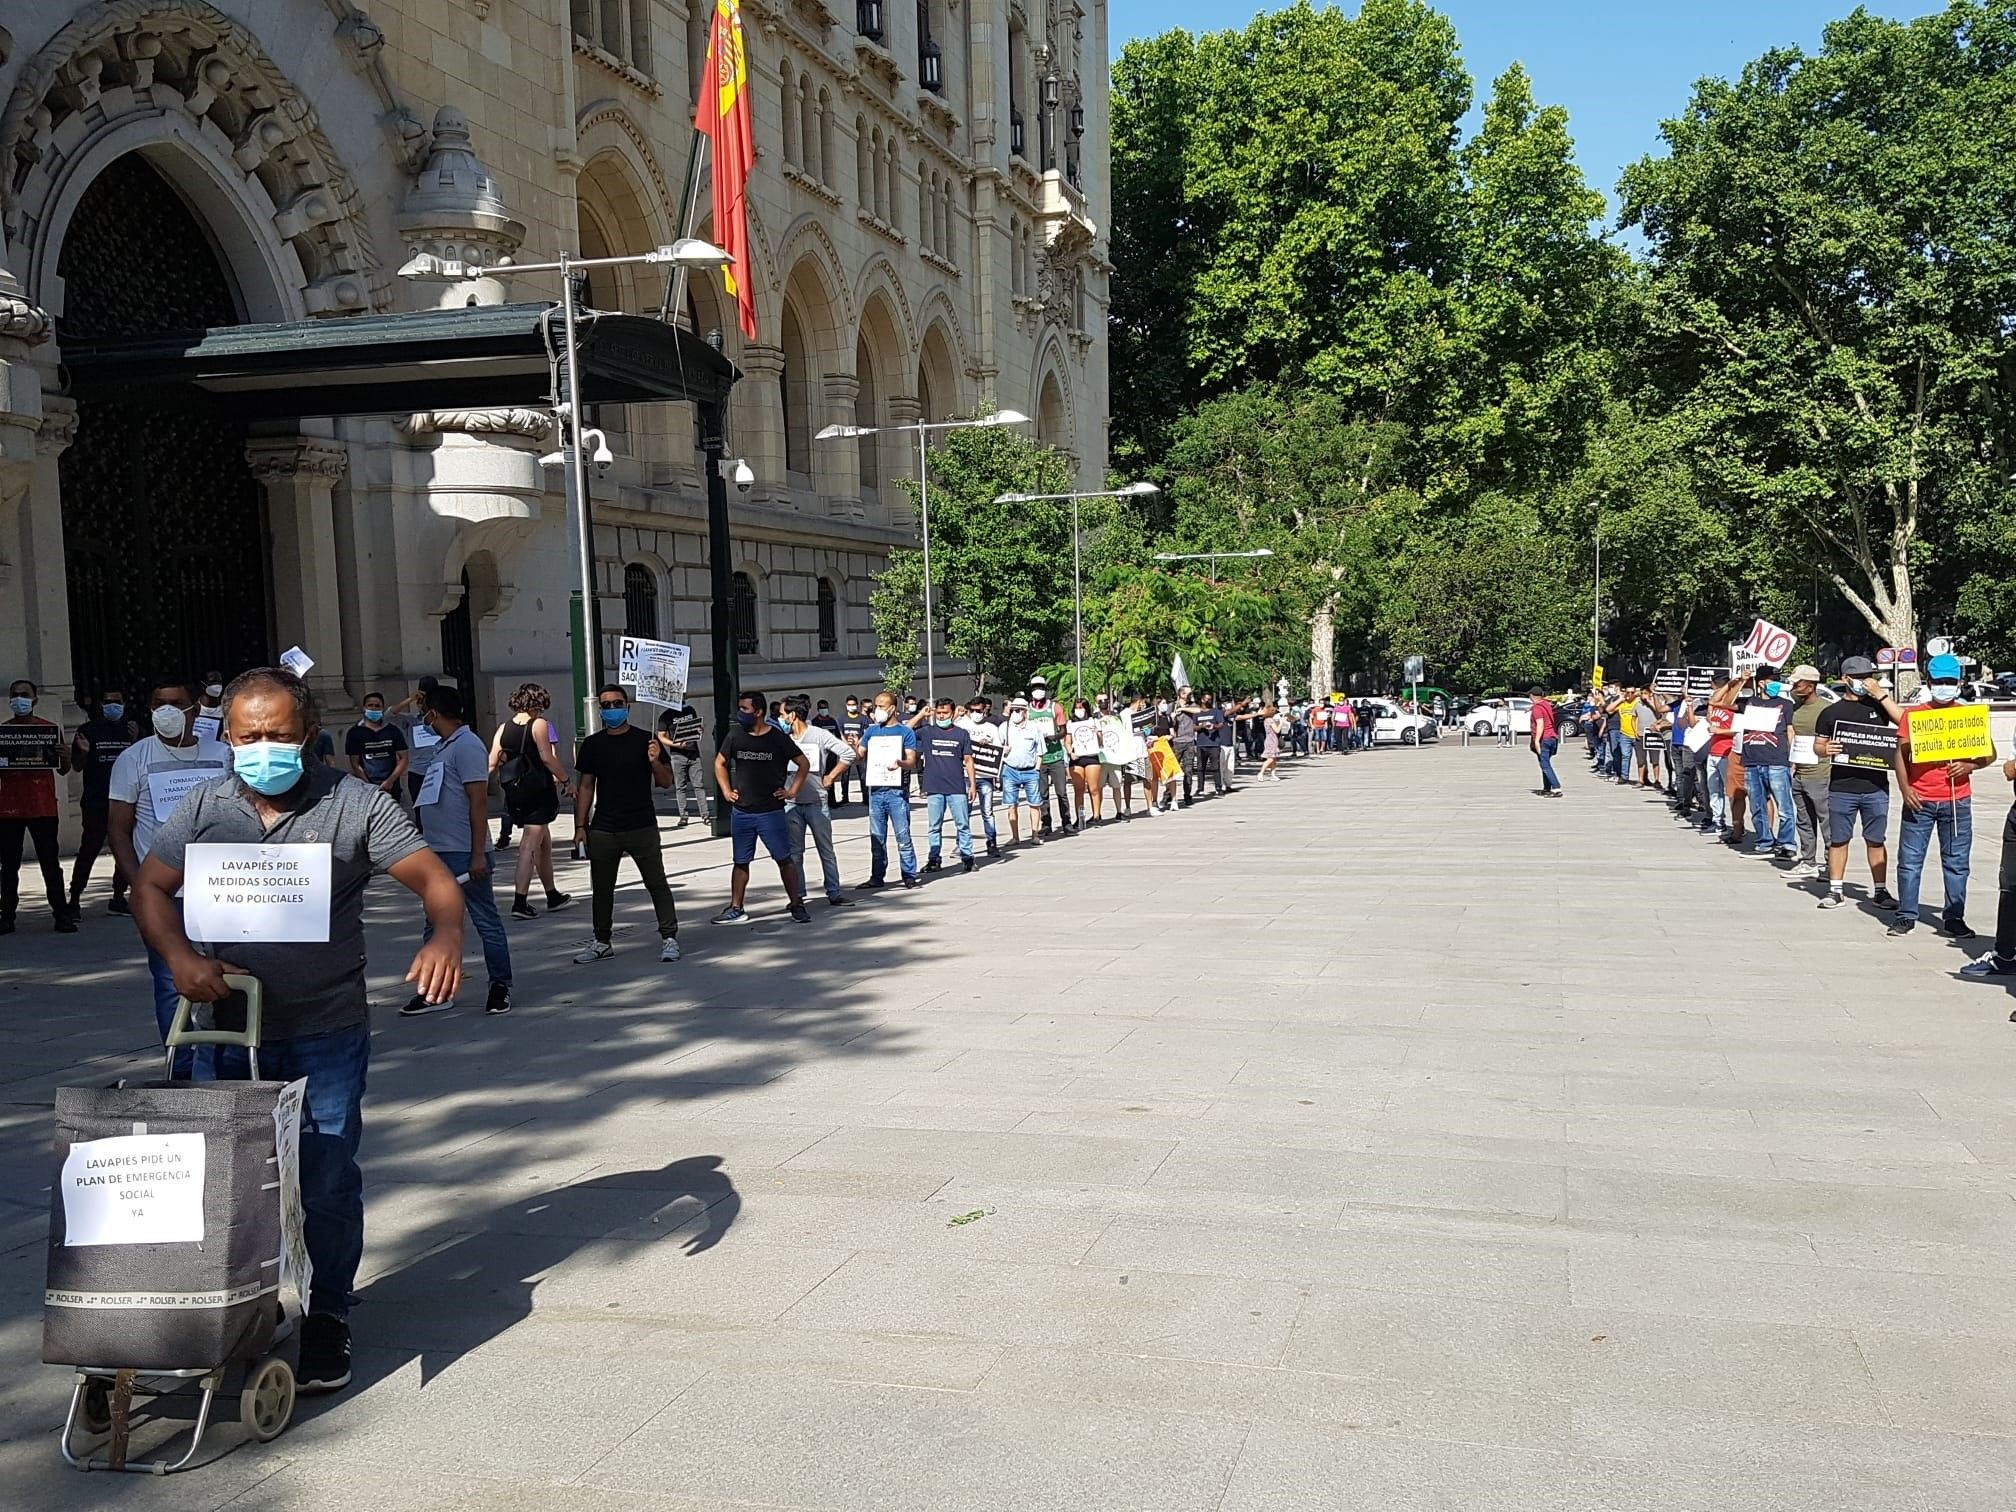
x,y
1764,737
317,1023
888,750
945,756
1545,739
1938,797
455,822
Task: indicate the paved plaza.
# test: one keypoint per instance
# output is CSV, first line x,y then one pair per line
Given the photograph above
x,y
1386,1138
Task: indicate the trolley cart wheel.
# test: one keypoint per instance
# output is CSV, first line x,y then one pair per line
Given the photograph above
x,y
94,1406
266,1403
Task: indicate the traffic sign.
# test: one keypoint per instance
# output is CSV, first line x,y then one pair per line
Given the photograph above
x,y
1897,656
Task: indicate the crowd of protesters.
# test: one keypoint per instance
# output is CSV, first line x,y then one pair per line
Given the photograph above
x,y
1794,767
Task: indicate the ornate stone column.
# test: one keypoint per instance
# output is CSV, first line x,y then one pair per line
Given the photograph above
x,y
899,460
22,326
299,475
836,468
44,581
757,413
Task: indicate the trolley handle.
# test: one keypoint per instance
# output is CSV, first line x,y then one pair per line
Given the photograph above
x,y
183,1030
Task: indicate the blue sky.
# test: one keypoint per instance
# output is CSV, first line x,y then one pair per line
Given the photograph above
x,y
1621,66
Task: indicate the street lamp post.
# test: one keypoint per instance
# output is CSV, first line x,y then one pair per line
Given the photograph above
x,y
1596,609
1213,557
586,617
1129,491
923,430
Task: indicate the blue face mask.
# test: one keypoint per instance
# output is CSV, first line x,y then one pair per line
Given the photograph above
x,y
1773,689
745,719
374,715
21,705
269,767
112,711
615,719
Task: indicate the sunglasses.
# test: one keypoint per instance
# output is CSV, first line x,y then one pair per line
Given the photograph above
x,y
615,706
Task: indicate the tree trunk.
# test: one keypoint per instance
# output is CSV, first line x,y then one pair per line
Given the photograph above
x,y
1323,650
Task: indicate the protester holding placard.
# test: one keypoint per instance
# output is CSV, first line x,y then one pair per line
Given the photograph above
x,y
32,748
94,750
1764,728
322,835
1857,738
1810,778
888,748
1938,797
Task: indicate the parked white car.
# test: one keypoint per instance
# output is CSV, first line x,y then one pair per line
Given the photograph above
x,y
1484,719
1393,725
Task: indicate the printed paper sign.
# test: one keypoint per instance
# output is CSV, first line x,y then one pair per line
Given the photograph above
x,y
1697,737
296,1271
656,669
297,661
134,1189
885,757
430,785
208,726
168,789
423,737
264,893
1956,734
29,747
1803,753
1759,719
1768,645
1867,746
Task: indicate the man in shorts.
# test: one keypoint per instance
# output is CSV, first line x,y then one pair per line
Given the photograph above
x,y
1858,785
759,769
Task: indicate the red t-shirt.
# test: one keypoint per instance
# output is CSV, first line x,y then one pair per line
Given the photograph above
x,y
1543,720
1721,730
1930,779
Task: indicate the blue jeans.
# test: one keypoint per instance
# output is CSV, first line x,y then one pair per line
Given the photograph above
x,y
886,808
1545,750
812,814
1620,755
935,805
1774,782
1716,775
986,790
482,906
1022,787
165,999
332,1126
1954,820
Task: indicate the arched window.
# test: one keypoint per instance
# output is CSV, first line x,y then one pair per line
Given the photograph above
x,y
640,37
742,599
640,600
829,618
787,113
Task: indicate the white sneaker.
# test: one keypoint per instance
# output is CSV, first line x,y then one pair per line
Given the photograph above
x,y
594,950
669,951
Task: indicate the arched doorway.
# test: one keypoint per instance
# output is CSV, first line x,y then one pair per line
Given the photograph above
x,y
164,527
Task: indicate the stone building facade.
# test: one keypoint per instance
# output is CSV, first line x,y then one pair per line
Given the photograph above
x,y
929,205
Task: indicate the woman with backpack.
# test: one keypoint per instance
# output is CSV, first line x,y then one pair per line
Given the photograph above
x,y
528,769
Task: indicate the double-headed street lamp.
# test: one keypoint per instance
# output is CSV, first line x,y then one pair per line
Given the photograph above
x,y
1130,491
1213,557
923,429
687,252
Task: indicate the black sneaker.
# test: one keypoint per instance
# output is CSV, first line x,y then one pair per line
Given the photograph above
x,y
873,884
418,1007
932,864
911,882
839,902
993,847
500,998
523,910
325,1354
558,900
66,922
6,926
1882,898
801,913
120,907
1899,928
966,863
1959,929
1784,853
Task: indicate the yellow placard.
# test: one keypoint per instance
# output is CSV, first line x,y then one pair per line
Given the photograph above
x,y
1596,676
1959,733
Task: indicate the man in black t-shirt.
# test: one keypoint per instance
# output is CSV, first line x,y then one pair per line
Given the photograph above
x,y
93,750
618,766
853,720
1859,736
759,769
1764,736
679,730
945,759
376,747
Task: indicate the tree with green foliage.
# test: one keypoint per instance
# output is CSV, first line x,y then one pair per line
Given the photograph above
x,y
1834,257
1001,573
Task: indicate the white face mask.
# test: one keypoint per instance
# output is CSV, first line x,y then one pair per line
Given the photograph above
x,y
883,716
1943,692
169,722
214,690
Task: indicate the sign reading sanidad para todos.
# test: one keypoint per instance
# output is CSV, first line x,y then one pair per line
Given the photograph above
x,y
1956,733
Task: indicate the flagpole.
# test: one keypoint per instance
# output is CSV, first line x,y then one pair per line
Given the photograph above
x,y
689,203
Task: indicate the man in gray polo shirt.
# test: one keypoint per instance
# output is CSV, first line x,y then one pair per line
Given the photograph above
x,y
317,1016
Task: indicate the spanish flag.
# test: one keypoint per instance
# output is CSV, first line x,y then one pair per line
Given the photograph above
x,y
723,116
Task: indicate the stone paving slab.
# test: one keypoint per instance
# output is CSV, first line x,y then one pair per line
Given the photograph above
x,y
1385,1138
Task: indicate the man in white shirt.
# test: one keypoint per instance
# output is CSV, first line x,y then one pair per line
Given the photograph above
x,y
148,780
988,739
809,809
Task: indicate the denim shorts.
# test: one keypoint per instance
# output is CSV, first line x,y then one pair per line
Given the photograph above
x,y
1022,785
1842,809
773,829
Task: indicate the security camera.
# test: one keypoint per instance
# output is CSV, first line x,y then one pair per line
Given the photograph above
x,y
601,456
745,476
